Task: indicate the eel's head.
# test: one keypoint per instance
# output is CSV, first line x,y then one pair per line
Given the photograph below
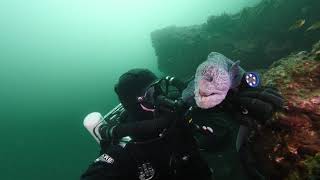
x,y
212,84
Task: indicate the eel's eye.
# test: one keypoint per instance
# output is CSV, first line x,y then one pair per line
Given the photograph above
x,y
209,78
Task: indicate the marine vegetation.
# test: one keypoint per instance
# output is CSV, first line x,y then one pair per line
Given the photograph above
x,y
289,146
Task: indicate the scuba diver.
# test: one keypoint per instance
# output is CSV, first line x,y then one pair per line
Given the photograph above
x,y
160,146
221,107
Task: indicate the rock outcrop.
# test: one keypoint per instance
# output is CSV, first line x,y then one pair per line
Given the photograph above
x,y
289,147
257,36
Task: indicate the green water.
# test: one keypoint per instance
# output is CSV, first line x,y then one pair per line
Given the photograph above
x,y
59,60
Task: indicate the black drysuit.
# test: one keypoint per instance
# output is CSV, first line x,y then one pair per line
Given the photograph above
x,y
173,156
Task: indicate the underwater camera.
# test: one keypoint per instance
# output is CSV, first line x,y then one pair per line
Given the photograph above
x,y
163,95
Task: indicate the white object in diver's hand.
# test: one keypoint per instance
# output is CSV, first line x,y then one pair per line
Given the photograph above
x,y
92,123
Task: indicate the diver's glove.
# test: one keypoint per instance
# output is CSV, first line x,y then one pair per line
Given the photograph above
x,y
259,103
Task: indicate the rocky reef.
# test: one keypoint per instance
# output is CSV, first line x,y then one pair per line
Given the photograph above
x,y
256,35
289,146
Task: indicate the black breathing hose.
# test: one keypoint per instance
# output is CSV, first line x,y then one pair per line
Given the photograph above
x,y
145,127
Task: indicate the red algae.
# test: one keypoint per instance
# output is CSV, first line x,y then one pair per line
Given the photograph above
x,y
293,136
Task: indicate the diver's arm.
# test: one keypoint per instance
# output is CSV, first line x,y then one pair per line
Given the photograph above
x,y
137,129
113,133
258,103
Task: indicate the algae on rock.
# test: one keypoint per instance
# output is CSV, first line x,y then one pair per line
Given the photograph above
x,y
256,36
289,146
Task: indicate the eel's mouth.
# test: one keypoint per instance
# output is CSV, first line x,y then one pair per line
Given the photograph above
x,y
203,94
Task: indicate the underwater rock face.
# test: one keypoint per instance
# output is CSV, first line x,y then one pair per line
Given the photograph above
x,y
256,36
289,147
180,48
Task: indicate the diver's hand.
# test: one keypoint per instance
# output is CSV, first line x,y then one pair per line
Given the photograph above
x,y
259,103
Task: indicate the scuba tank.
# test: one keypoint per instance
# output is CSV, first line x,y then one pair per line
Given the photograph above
x,y
94,121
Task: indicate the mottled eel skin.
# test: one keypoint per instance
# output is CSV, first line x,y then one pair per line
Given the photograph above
x,y
213,79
